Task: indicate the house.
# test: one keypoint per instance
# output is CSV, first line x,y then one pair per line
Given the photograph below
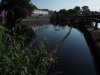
x,y
38,12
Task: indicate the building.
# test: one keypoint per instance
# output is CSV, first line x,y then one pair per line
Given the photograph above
x,y
39,12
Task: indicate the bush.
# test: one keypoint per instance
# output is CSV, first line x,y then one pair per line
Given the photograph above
x,y
16,59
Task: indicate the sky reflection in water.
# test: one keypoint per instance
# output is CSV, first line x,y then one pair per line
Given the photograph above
x,y
74,55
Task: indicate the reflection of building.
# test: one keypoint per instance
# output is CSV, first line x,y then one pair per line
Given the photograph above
x,y
36,26
39,27
42,12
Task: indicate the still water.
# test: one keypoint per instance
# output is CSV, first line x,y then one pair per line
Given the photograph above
x,y
74,56
98,24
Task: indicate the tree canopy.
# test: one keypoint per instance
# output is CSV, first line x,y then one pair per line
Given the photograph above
x,y
76,11
26,5
16,10
86,10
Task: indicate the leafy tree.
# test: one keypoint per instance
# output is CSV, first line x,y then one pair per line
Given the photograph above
x,y
55,16
71,12
77,10
15,10
26,5
85,10
62,13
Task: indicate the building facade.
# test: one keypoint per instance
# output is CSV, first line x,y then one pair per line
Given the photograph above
x,y
39,12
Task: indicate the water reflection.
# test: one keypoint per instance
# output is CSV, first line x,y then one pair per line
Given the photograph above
x,y
98,24
74,55
38,27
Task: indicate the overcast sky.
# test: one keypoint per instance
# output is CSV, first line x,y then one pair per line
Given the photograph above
x,y
94,5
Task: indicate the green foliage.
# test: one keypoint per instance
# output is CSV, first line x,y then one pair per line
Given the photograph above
x,y
26,5
16,59
76,11
86,10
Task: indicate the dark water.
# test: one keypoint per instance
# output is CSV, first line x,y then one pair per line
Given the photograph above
x,y
74,55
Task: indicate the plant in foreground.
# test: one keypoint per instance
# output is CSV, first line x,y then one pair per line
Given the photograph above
x,y
15,59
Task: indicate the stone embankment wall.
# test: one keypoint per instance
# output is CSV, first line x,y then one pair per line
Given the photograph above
x,y
36,19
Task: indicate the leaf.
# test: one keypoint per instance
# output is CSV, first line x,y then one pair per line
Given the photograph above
x,y
37,53
27,59
7,59
22,43
25,69
46,63
36,71
23,73
16,55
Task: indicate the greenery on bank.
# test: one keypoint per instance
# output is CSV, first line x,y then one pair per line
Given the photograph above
x,y
16,59
26,6
76,11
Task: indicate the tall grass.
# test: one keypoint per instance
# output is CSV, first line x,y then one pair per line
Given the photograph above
x,y
15,59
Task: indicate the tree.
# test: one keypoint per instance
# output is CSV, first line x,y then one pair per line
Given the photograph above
x,y
62,14
16,10
62,11
77,10
55,16
71,12
26,5
85,10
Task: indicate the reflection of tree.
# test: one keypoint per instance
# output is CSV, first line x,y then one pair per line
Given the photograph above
x,y
39,27
32,37
57,28
28,32
54,50
59,23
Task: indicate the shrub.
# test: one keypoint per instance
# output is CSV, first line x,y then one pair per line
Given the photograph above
x,y
16,59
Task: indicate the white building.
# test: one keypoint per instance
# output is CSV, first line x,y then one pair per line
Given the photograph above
x,y
42,12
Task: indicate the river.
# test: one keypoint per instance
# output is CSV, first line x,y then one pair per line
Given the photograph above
x,y
74,56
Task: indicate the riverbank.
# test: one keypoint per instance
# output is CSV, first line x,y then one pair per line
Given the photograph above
x,y
96,35
36,19
94,42
33,21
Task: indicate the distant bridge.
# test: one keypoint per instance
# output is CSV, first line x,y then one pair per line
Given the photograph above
x,y
93,18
